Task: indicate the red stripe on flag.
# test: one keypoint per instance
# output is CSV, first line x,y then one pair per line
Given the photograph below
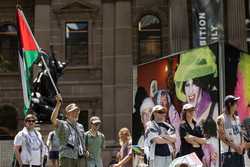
x,y
27,40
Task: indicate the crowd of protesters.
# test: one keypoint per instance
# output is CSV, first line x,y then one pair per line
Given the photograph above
x,y
160,136
68,145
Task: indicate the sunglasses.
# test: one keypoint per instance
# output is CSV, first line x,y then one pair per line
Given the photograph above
x,y
96,124
160,112
33,121
124,134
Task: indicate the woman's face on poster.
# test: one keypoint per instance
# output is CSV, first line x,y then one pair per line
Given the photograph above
x,y
192,92
145,117
164,101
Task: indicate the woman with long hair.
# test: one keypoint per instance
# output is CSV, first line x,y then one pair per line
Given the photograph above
x,y
190,133
125,153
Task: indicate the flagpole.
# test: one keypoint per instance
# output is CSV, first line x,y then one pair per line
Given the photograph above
x,y
40,51
48,72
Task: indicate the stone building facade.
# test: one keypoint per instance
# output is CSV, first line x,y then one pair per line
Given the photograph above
x,y
101,80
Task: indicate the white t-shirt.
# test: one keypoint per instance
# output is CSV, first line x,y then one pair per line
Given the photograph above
x,y
232,132
32,158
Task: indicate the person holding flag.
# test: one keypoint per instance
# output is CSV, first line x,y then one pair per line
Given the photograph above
x,y
28,144
71,136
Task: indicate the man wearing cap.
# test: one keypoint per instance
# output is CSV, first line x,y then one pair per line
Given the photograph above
x,y
159,137
94,141
229,133
28,144
71,136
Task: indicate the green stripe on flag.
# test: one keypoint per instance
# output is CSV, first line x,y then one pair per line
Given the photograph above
x,y
30,57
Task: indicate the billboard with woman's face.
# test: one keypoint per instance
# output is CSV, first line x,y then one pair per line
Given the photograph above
x,y
190,77
196,81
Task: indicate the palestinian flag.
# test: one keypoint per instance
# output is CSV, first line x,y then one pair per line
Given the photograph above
x,y
28,55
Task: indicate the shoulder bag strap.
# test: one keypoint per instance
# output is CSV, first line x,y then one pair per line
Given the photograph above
x,y
78,135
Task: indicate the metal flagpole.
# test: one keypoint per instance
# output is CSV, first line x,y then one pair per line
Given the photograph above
x,y
48,71
40,51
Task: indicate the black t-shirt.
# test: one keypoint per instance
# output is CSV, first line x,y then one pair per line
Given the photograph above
x,y
162,149
187,148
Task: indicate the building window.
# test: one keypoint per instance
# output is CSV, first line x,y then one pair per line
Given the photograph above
x,y
8,48
149,29
77,43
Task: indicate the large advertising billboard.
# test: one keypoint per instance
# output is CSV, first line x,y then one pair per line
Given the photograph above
x,y
192,77
189,77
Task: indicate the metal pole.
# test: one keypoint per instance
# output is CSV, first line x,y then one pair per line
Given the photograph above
x,y
221,83
221,70
51,79
221,73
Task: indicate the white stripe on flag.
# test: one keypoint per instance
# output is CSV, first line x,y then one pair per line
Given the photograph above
x,y
24,81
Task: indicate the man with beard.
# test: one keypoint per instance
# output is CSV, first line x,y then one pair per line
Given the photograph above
x,y
71,136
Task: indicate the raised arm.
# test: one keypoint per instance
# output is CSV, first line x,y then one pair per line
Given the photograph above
x,y
56,110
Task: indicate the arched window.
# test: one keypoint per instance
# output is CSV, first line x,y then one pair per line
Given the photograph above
x,y
8,48
149,29
8,122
